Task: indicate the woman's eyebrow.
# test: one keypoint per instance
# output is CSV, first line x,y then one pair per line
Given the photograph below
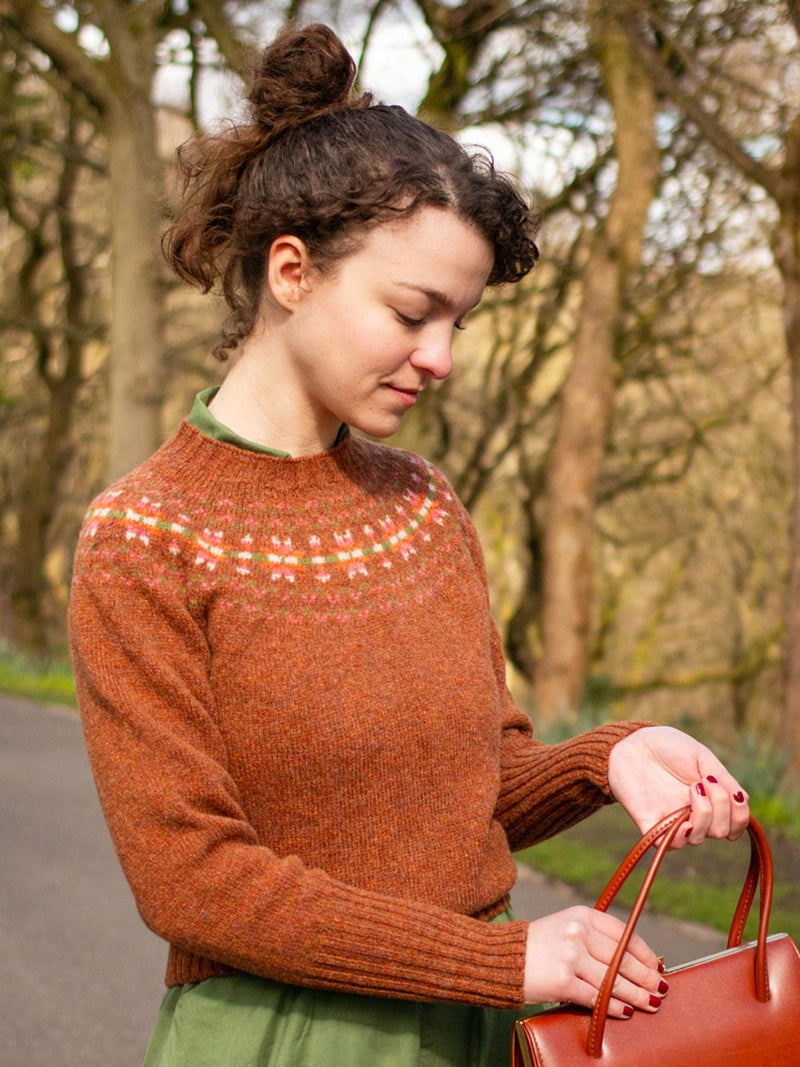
x,y
432,294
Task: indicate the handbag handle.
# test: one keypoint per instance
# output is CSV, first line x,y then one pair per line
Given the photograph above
x,y
760,869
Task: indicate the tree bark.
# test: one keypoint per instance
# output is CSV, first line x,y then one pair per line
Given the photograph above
x,y
137,369
588,392
786,248
462,32
135,192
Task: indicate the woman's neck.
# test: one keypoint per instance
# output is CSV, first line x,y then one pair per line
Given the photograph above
x,y
259,403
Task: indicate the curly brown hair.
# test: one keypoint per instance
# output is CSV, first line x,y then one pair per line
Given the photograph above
x,y
317,161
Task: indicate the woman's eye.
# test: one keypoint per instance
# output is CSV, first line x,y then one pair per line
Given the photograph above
x,y
409,320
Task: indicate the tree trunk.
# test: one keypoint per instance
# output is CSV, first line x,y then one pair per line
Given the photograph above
x,y
60,368
588,392
120,89
137,345
38,504
137,302
786,248
462,31
26,578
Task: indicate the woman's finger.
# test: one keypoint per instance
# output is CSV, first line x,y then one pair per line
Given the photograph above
x,y
637,983
716,812
637,948
701,814
586,994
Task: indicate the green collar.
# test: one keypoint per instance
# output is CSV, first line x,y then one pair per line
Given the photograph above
x,y
203,420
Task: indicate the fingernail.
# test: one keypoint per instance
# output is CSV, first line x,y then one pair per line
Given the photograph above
x,y
663,988
655,1002
661,967
701,789
688,831
739,797
627,1011
711,778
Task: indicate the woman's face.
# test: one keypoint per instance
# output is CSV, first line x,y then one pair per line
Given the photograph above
x,y
364,339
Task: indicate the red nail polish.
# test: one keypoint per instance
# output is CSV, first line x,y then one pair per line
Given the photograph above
x,y
663,988
627,1011
701,789
739,797
711,778
661,967
655,1002
688,831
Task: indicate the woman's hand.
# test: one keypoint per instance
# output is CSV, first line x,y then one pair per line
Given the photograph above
x,y
568,954
652,773
657,770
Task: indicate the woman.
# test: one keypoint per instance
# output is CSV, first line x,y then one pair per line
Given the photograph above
x,y
292,691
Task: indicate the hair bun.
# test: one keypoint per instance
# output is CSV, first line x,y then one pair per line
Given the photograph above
x,y
303,73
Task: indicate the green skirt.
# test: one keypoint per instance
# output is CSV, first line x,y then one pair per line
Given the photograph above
x,y
246,1021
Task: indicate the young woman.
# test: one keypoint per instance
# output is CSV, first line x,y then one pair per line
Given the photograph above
x,y
292,691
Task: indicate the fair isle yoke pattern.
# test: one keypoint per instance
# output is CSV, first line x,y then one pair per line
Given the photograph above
x,y
312,563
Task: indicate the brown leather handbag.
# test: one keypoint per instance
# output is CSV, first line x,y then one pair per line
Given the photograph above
x,y
741,1006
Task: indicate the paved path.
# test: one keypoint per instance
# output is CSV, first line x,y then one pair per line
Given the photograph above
x,y
81,975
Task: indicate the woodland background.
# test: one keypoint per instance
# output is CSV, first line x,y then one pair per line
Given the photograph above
x,y
624,425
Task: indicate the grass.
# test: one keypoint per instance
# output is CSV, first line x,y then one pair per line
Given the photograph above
x,y
47,679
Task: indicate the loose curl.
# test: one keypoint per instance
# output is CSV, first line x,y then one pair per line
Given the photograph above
x,y
317,161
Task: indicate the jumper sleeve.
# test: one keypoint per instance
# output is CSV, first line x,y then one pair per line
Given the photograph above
x,y
200,876
544,788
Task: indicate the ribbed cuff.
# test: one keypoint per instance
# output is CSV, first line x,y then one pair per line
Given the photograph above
x,y
412,951
547,788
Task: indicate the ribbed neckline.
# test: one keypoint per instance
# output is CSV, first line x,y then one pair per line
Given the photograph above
x,y
224,469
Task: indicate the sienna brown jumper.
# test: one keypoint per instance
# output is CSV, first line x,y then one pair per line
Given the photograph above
x,y
295,705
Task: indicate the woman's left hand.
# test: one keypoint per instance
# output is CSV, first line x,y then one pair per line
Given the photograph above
x,y
656,770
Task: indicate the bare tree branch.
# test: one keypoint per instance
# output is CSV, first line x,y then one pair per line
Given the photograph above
x,y
689,103
33,24
238,53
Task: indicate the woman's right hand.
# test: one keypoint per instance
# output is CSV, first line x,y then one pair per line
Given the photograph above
x,y
568,954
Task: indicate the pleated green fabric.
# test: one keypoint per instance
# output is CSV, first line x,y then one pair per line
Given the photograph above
x,y
246,1021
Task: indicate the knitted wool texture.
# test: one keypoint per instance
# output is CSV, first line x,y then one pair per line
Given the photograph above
x,y
295,708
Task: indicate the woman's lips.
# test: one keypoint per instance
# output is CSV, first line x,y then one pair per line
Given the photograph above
x,y
407,396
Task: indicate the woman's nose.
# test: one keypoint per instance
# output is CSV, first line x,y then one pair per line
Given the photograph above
x,y
435,356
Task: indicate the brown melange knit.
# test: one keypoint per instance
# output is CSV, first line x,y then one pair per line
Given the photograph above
x,y
295,708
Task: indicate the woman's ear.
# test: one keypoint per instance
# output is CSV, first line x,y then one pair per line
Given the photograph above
x,y
288,267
